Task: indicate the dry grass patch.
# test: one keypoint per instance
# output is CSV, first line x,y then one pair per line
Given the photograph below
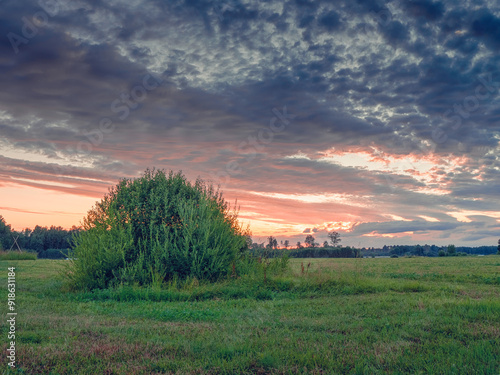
x,y
92,352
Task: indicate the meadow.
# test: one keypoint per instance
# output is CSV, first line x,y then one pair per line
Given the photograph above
x,y
321,316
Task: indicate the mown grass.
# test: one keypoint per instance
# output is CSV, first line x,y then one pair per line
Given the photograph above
x,y
338,316
17,255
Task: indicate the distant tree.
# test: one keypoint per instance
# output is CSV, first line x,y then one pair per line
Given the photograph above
x,y
397,250
451,250
286,244
5,234
38,239
272,242
418,250
498,248
310,240
299,245
325,244
334,238
442,253
56,238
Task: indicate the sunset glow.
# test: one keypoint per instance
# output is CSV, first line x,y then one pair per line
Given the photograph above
x,y
307,121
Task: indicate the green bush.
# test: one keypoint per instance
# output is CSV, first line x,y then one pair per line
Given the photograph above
x,y
153,229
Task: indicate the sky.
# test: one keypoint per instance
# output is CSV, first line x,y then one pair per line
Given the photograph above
x,y
380,120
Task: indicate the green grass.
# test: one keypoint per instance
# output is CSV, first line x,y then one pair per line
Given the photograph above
x,y
17,255
339,316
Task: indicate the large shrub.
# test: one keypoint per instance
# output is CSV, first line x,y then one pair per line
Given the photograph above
x,y
155,228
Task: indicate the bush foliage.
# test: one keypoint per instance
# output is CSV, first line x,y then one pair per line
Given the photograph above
x,y
155,228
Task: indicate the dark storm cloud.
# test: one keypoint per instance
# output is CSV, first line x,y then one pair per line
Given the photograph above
x,y
427,9
395,33
404,78
330,21
486,27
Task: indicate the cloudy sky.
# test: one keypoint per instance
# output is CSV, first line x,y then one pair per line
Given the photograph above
x,y
380,119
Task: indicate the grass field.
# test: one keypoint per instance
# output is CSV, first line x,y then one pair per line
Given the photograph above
x,y
338,316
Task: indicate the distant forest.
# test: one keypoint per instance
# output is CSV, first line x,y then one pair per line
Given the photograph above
x,y
54,242
429,250
46,242
386,251
333,249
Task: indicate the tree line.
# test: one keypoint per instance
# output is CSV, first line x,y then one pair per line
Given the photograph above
x,y
429,250
310,249
332,249
310,241
47,242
